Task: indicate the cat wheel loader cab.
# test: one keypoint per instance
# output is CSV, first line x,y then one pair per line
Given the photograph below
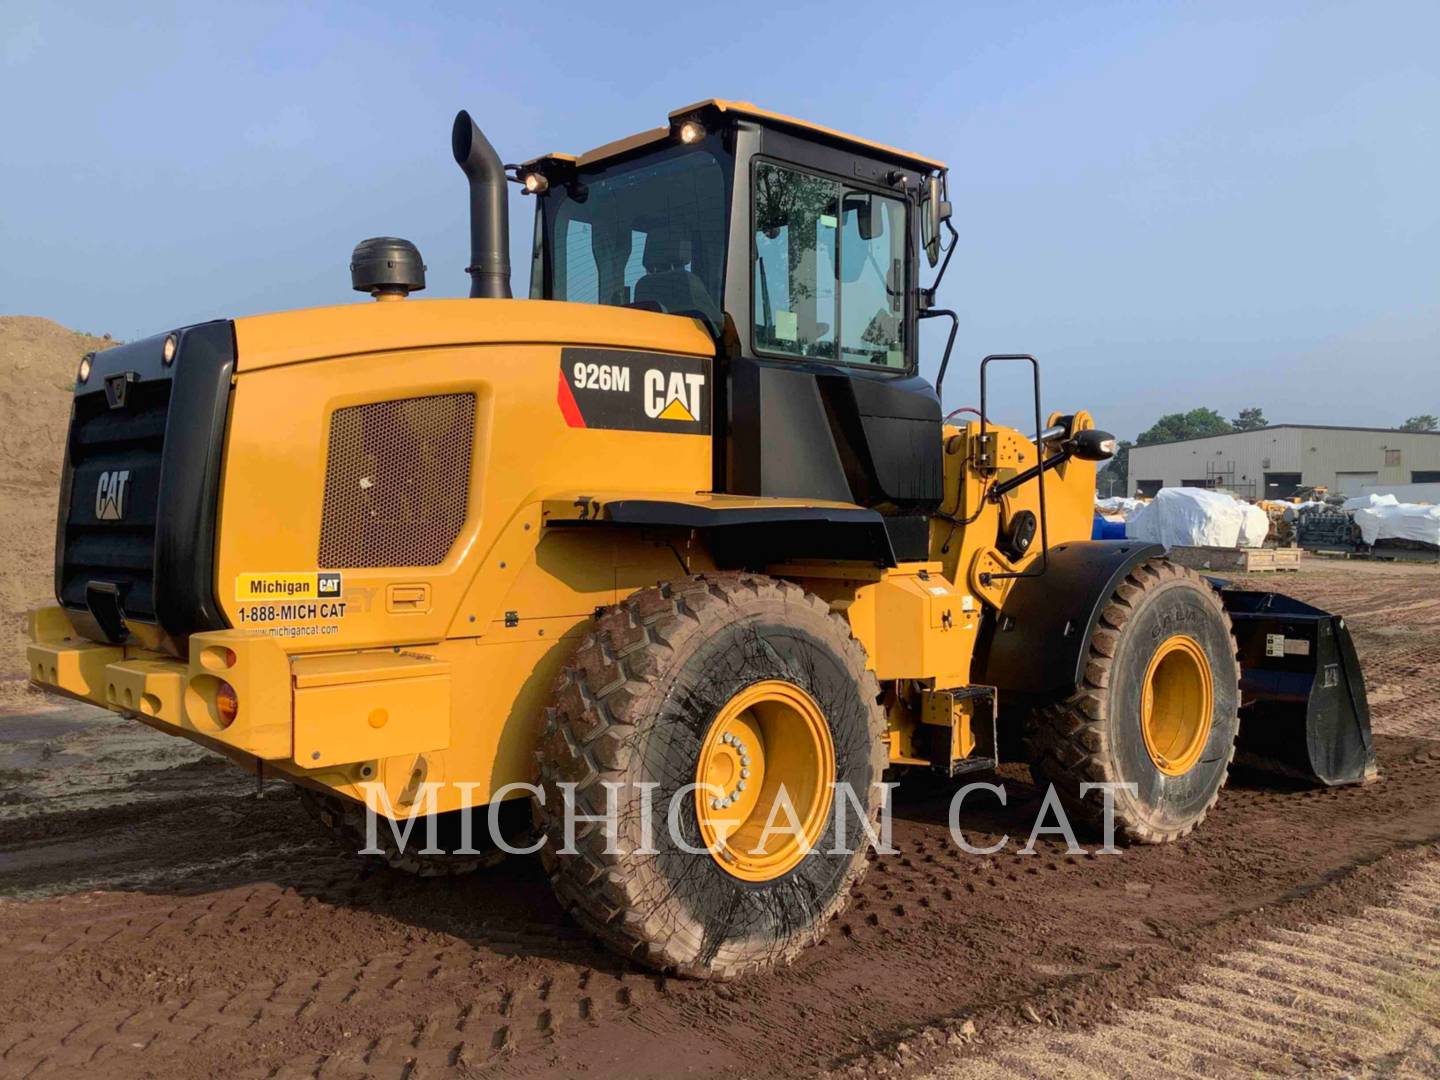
x,y
686,525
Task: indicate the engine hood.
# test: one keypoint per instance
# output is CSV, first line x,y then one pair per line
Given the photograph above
x,y
293,337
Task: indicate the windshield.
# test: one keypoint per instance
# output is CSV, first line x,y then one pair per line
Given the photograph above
x,y
646,234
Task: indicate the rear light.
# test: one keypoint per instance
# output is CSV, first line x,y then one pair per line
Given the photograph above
x,y
227,704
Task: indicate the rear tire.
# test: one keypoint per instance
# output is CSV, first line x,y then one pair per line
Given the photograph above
x,y
647,699
1157,708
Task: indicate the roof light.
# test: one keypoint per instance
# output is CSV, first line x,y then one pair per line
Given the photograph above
x,y
536,184
691,132
86,362
167,352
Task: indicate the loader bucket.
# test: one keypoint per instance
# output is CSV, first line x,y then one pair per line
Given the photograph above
x,y
1303,710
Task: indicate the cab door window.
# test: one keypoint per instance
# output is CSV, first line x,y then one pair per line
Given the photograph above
x,y
796,250
829,270
872,280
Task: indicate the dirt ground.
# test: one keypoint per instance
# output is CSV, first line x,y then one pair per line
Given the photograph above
x,y
1355,996
38,360
157,918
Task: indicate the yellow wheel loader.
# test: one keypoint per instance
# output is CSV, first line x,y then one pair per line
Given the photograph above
x,y
684,532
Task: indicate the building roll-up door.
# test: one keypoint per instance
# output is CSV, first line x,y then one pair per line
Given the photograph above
x,y
1350,483
1281,485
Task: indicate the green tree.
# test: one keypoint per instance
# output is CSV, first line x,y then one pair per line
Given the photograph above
x,y
1187,425
1195,424
1423,422
1249,420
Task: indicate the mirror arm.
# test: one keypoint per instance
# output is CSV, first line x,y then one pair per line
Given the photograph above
x,y
945,263
927,294
926,297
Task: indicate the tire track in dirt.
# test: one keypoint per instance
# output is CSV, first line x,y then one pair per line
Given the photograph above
x,y
298,966
1355,997
230,945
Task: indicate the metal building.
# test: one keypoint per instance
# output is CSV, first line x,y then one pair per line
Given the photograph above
x,y
1274,462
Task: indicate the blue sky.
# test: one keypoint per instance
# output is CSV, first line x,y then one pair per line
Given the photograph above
x,y
1170,204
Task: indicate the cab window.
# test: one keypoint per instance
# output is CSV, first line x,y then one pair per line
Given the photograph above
x,y
796,227
648,233
829,270
872,280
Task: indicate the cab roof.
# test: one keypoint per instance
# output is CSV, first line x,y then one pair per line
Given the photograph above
x,y
744,110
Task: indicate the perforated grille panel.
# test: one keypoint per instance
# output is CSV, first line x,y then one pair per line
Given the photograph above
x,y
397,481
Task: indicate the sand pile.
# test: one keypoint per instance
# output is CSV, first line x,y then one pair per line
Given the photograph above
x,y
37,374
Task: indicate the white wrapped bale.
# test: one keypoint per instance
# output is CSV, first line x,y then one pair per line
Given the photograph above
x,y
1188,517
1116,504
1402,521
1254,526
1369,502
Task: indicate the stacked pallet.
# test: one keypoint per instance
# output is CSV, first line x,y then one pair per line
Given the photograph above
x,y
1238,560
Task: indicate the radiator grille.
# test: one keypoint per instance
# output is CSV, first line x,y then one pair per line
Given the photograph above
x,y
110,442
397,481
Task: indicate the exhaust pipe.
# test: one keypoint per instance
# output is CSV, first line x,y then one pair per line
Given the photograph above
x,y
489,267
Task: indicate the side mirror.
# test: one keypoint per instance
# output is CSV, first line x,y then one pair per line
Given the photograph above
x,y
867,214
934,212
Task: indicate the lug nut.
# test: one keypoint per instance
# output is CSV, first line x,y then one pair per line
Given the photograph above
x,y
745,774
740,786
727,738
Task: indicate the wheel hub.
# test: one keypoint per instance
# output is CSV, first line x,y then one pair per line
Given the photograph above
x,y
770,744
1177,705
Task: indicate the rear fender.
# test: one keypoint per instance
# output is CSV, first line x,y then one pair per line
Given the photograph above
x,y
744,531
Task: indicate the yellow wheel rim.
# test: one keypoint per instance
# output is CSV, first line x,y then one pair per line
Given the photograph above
x,y
1177,704
768,736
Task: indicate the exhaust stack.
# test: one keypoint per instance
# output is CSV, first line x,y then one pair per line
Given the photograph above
x,y
489,267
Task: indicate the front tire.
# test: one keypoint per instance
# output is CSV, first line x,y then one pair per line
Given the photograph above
x,y
1157,708
741,682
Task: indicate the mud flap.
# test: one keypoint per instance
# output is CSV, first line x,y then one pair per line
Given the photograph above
x,y
1303,710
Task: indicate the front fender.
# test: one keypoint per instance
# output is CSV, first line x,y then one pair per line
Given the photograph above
x,y
1035,647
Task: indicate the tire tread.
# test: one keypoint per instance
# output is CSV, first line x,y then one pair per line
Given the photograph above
x,y
1068,742
636,636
